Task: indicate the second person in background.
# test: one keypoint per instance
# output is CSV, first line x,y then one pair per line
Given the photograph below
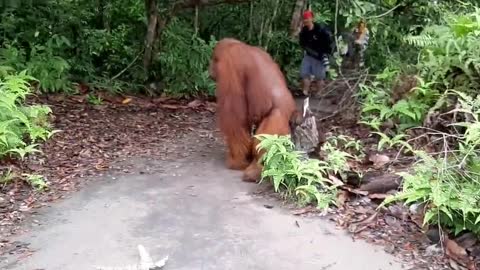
x,y
316,41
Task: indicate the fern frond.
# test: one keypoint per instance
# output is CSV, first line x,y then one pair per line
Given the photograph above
x,y
421,41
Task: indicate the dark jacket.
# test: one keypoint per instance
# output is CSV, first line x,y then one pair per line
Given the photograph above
x,y
316,42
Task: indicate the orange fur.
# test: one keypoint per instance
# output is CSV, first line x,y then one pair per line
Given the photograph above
x,y
251,91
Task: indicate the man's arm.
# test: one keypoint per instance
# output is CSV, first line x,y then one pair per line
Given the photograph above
x,y
328,39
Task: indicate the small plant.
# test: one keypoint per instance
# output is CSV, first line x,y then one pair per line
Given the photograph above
x,y
36,181
392,142
294,175
7,177
409,111
338,151
94,99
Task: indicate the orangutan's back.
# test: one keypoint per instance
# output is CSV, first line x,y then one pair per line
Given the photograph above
x,y
266,85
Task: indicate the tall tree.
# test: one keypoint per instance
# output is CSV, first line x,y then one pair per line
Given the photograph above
x,y
296,20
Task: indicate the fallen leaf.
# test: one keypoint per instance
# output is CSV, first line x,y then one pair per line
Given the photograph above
x,y
303,210
354,190
378,196
126,101
335,181
342,197
454,249
358,226
160,99
194,104
211,107
408,246
467,240
455,252
173,106
79,99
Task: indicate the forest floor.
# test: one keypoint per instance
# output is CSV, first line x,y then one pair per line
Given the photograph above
x,y
164,159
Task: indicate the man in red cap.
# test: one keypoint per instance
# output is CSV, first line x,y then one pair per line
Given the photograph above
x,y
316,40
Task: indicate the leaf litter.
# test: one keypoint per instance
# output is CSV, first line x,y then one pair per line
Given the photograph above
x,y
91,141
95,138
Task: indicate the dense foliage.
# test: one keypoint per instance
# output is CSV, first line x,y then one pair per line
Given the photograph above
x,y
445,106
103,43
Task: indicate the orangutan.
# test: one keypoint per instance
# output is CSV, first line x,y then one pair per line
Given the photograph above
x,y
251,92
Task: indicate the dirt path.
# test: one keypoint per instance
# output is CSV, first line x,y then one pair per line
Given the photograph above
x,y
193,210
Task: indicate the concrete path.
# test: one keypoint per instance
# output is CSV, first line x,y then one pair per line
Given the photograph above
x,y
199,214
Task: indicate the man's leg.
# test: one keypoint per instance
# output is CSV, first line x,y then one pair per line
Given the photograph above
x,y
319,71
305,72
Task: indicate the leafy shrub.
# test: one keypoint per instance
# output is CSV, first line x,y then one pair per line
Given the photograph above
x,y
450,52
286,52
51,70
291,173
451,195
21,126
338,152
449,183
378,104
185,61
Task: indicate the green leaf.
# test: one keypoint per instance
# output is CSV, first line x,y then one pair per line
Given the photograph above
x,y
428,217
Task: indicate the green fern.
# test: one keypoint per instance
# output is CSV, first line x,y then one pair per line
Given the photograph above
x,y
293,175
421,41
21,126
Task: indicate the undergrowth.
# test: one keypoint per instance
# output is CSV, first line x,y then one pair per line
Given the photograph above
x,y
22,127
446,177
306,180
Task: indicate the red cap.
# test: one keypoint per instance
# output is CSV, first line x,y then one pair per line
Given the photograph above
x,y
308,14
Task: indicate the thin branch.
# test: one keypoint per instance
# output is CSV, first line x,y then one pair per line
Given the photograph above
x,y
385,13
127,67
347,99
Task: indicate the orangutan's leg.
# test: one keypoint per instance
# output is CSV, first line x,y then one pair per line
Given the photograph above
x,y
239,152
274,123
254,171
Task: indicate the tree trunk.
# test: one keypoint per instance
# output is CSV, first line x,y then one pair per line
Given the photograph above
x,y
270,25
251,20
103,21
152,33
296,21
305,133
195,23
